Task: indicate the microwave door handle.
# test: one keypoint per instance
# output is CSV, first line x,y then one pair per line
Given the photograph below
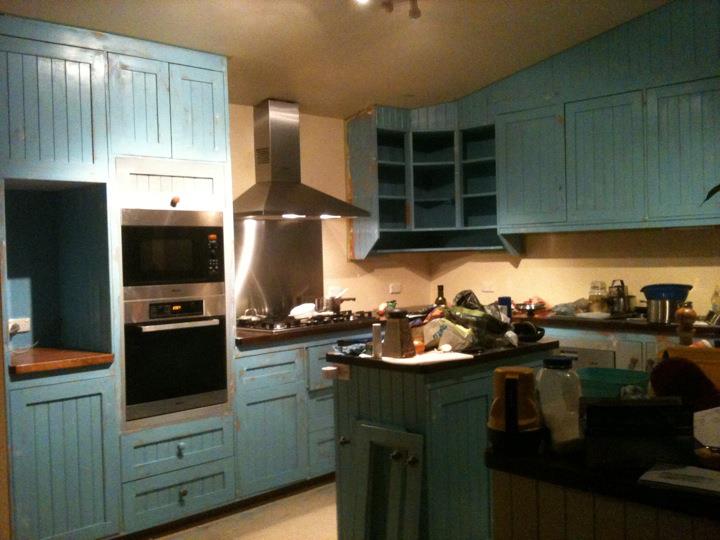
x,y
177,326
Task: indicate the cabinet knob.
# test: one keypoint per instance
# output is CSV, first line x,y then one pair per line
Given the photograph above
x,y
343,441
183,493
174,201
396,455
181,450
412,461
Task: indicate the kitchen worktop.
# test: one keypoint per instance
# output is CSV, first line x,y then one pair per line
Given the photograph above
x,y
479,358
571,472
614,325
245,337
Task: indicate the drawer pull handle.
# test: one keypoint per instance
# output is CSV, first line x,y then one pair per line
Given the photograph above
x,y
343,441
181,450
395,455
412,461
183,493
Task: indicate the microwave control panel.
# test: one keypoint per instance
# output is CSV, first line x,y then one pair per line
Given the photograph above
x,y
213,250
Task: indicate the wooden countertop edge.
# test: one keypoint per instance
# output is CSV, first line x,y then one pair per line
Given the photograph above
x,y
42,359
614,325
479,359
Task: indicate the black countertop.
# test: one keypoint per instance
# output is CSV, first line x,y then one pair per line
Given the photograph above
x,y
615,325
572,472
479,358
249,337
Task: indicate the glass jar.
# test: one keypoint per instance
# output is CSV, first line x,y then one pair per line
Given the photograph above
x,y
598,296
559,392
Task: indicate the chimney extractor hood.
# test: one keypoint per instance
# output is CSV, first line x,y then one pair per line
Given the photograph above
x,y
277,192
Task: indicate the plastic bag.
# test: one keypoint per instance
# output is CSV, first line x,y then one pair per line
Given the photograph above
x,y
467,299
444,332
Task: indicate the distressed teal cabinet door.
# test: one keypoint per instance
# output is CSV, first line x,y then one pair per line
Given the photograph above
x,y
197,102
531,167
65,460
683,127
139,106
272,448
52,120
605,160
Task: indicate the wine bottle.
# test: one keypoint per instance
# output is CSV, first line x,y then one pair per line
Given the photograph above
x,y
440,300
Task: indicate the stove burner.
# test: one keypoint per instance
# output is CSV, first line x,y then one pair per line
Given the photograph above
x,y
289,323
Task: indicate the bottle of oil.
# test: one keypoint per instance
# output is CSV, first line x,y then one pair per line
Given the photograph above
x,y
440,299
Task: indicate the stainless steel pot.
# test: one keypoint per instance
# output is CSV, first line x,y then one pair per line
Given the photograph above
x,y
662,311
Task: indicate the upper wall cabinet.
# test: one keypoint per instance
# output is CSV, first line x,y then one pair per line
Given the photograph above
x,y
531,167
605,159
683,150
197,102
139,106
166,110
52,122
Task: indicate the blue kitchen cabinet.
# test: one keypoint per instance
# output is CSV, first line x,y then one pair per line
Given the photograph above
x,y
65,460
605,166
272,440
198,110
139,106
683,151
530,158
52,120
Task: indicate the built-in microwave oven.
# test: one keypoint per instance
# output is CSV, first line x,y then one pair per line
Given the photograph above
x,y
168,247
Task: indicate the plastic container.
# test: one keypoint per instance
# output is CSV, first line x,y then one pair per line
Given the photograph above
x,y
607,382
559,391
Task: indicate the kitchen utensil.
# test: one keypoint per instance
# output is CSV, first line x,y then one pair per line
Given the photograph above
x,y
514,424
618,300
662,311
666,291
398,341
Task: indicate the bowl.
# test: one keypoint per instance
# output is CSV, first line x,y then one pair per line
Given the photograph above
x,y
599,382
667,291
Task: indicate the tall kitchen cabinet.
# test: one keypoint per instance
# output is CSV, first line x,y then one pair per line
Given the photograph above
x,y
87,125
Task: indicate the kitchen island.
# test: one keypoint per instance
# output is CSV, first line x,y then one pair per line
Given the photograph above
x,y
410,442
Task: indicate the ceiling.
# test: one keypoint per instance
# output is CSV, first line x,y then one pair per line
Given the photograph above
x,y
336,57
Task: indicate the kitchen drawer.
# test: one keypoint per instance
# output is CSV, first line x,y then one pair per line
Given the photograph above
x,y
171,496
169,448
320,409
322,452
316,361
272,368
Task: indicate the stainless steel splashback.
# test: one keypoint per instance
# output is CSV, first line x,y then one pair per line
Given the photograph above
x,y
278,264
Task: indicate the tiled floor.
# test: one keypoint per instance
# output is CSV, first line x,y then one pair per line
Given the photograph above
x,y
309,515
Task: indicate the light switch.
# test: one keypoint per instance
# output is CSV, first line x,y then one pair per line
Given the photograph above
x,y
18,326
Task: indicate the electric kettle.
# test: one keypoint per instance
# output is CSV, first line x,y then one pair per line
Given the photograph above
x,y
514,424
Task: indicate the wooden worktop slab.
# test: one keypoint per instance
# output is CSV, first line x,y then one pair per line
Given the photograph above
x,y
39,359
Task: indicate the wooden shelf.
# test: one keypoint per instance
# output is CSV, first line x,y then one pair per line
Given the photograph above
x,y
39,359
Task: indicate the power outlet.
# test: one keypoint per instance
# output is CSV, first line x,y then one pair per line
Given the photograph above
x,y
395,288
18,326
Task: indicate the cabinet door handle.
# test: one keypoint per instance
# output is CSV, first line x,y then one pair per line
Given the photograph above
x,y
181,450
412,460
396,455
343,441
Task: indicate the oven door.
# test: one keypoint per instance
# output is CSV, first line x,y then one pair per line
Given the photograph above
x,y
168,247
174,366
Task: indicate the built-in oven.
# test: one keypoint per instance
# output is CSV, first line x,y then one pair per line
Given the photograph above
x,y
175,354
161,247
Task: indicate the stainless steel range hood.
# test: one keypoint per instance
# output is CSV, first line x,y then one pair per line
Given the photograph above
x,y
278,192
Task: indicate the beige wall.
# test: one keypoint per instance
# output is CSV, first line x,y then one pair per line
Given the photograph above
x,y
556,267
560,267
322,150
